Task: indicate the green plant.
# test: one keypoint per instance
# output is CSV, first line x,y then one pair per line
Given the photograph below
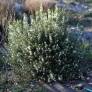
x,y
45,51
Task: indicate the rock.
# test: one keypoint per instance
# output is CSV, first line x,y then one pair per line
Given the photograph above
x,y
87,89
80,86
87,36
60,88
73,6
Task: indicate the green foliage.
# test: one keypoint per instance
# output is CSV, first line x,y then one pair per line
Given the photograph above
x,y
45,51
88,1
87,56
88,15
4,65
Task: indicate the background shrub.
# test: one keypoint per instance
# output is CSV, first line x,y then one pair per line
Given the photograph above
x,y
45,51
